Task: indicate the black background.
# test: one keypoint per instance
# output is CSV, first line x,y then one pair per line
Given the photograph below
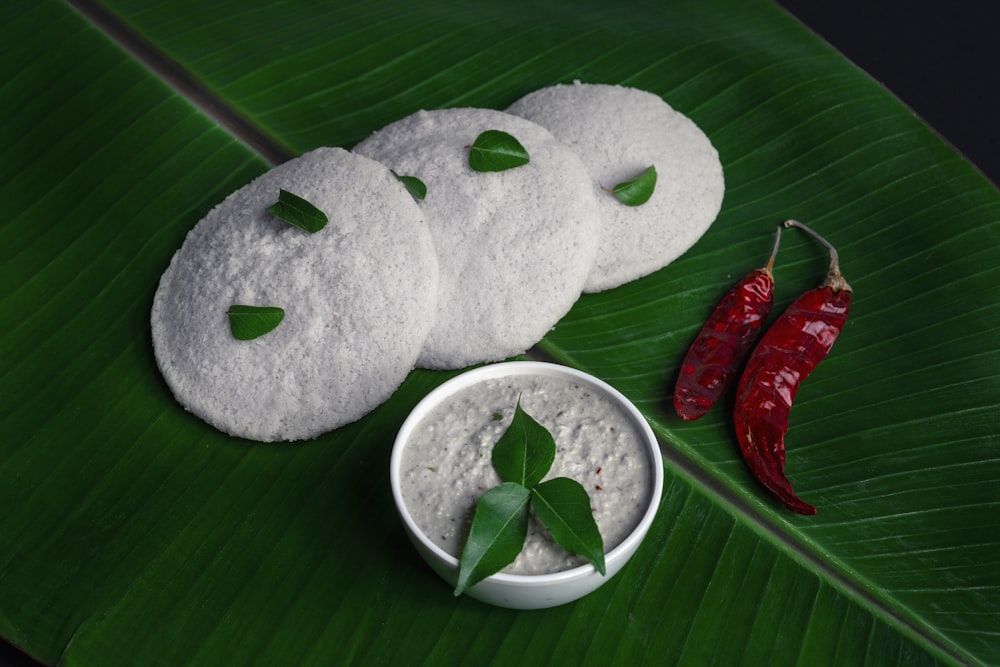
x,y
941,59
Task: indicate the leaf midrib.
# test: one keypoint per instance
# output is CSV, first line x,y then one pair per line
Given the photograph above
x,y
182,82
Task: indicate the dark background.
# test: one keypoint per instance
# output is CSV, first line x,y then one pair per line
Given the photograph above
x,y
941,59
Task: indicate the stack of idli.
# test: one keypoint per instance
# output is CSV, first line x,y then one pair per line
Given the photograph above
x,y
476,271
514,247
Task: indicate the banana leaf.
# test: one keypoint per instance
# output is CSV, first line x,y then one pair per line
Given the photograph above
x,y
133,533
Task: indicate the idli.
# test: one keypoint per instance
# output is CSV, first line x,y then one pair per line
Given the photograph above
x,y
619,132
358,297
514,247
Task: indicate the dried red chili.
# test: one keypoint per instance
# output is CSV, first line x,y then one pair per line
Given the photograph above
x,y
722,344
788,352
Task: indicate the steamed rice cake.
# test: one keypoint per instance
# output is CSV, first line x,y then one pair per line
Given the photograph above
x,y
618,133
514,247
358,295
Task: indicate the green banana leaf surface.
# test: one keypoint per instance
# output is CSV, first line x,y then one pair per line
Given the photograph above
x,y
132,533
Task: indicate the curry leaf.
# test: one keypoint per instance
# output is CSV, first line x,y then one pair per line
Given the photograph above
x,y
522,457
495,150
637,191
497,535
249,322
563,505
415,186
525,451
296,211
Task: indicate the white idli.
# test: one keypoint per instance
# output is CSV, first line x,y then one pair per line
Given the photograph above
x,y
358,297
514,247
619,132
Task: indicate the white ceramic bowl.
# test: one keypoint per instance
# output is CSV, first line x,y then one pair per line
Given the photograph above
x,y
520,591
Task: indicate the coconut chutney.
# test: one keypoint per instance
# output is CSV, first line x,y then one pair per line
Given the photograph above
x,y
446,463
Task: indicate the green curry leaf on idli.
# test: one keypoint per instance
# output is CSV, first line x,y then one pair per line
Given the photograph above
x,y
415,186
296,211
637,191
249,322
495,150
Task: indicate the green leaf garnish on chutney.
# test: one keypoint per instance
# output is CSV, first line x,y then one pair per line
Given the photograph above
x,y
525,451
522,457
496,537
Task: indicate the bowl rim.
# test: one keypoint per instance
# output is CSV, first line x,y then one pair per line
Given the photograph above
x,y
504,369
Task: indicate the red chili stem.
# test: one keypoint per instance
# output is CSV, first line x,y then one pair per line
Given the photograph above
x,y
834,278
774,252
